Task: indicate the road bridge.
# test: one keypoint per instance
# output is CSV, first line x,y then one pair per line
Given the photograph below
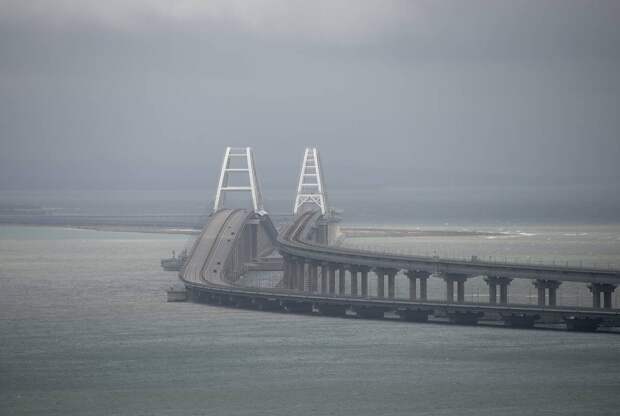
x,y
315,277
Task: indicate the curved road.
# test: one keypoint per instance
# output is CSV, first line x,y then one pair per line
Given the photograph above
x,y
212,247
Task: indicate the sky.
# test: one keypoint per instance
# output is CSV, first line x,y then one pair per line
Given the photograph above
x,y
137,94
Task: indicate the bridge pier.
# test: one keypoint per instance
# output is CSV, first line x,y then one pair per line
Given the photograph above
x,y
324,278
300,275
313,274
502,282
353,271
380,283
364,280
606,290
543,286
332,278
459,279
391,278
413,276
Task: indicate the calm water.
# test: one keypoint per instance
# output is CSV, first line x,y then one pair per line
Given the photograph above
x,y
84,329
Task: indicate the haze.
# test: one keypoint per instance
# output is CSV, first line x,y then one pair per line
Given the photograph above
x,y
396,94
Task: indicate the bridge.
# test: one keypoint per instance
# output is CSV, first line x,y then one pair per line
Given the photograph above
x,y
321,277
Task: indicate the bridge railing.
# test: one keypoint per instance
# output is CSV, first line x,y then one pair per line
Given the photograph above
x,y
503,260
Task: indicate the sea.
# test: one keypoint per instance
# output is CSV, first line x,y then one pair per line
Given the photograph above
x,y
85,328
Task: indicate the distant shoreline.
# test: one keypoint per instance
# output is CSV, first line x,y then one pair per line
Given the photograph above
x,y
348,232
361,232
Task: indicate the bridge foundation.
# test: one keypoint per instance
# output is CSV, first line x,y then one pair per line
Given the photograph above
x,y
332,278
364,280
369,312
413,276
450,280
297,306
324,278
353,271
380,283
604,289
341,280
327,309
503,283
550,286
300,275
582,324
414,315
391,279
520,320
313,274
464,317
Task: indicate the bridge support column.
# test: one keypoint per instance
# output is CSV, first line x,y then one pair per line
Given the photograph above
x,y
423,282
413,276
324,277
380,282
391,278
492,282
301,274
547,285
353,271
332,278
287,276
606,290
364,278
502,282
313,272
460,287
341,280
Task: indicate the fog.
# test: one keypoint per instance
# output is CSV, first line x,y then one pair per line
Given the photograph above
x,y
521,97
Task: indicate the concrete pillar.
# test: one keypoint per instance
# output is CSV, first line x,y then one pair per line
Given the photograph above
x,y
423,282
503,293
607,299
596,296
364,278
552,296
380,283
288,272
460,290
332,278
313,272
492,282
341,280
353,272
391,274
412,276
450,279
599,289
324,276
541,296
449,290
301,275
547,285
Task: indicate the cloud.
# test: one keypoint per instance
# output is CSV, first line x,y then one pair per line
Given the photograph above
x,y
345,20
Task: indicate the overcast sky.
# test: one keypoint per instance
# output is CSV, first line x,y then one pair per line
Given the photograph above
x,y
139,94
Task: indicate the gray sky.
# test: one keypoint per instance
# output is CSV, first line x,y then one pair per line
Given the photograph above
x,y
137,94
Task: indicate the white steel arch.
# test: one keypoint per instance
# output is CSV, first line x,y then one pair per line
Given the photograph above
x,y
310,188
246,164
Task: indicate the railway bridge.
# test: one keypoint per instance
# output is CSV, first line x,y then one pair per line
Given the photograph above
x,y
320,277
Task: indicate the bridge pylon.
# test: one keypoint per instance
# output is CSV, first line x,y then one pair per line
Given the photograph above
x,y
239,161
310,188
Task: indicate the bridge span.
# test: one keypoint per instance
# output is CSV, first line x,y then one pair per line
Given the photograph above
x,y
322,278
314,278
